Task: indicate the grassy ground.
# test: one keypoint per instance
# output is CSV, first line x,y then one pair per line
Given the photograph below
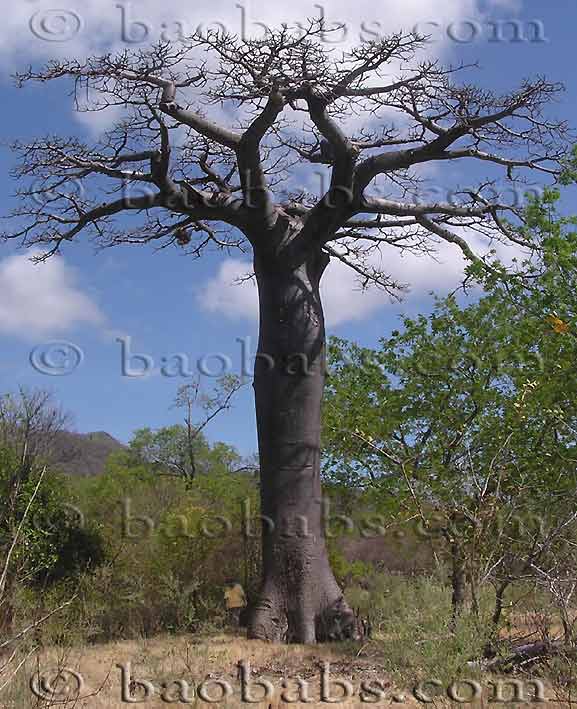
x,y
201,662
412,649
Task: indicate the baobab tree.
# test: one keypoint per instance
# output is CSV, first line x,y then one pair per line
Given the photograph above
x,y
217,135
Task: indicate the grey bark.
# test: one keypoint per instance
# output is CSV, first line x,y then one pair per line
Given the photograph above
x,y
300,601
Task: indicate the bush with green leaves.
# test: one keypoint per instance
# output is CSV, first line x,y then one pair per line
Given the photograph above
x,y
469,416
172,541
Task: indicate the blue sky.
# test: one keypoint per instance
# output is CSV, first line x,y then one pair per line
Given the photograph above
x,y
166,302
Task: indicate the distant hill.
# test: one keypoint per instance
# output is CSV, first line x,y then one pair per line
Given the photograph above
x,y
83,453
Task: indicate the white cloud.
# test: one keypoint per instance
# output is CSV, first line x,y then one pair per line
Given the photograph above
x,y
42,299
231,295
97,122
343,299
82,26
224,293
34,31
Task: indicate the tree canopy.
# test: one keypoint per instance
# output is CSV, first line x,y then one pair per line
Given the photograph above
x,y
217,128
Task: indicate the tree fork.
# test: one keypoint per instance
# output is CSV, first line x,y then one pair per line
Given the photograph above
x,y
227,190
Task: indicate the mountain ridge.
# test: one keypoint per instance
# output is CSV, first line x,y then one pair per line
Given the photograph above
x,y
83,454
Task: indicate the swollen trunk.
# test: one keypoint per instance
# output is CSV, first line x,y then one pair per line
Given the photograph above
x,y
300,600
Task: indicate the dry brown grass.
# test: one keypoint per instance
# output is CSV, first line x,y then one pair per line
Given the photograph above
x,y
197,659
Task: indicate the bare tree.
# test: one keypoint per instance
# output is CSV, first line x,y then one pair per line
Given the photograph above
x,y
204,183
177,455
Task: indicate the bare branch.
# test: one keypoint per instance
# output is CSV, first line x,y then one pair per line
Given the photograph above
x,y
293,99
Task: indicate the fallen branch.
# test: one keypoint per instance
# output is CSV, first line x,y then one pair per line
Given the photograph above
x,y
531,652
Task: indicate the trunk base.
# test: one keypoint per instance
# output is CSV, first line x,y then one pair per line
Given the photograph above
x,y
274,620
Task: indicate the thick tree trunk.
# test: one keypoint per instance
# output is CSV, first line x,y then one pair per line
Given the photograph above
x,y
300,600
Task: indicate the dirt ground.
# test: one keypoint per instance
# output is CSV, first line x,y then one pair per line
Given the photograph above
x,y
204,672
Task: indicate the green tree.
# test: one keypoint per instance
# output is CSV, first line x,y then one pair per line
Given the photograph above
x,y
176,450
172,540
39,543
467,418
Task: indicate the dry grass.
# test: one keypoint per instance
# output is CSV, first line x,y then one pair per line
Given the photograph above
x,y
198,660
412,642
